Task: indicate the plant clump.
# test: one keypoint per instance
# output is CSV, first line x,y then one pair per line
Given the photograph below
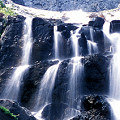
x,y
7,112
5,10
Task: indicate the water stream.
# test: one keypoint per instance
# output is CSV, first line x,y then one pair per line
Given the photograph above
x,y
114,93
12,88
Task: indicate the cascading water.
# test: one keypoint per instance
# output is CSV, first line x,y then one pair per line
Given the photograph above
x,y
92,46
13,86
76,72
46,88
48,80
114,99
57,43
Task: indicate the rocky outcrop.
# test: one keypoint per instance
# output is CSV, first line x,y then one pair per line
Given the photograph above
x,y
96,69
67,5
16,109
43,40
94,107
11,51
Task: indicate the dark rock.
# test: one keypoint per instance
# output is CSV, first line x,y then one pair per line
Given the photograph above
x,y
98,22
11,51
54,111
94,107
21,2
43,38
96,69
83,45
16,109
115,26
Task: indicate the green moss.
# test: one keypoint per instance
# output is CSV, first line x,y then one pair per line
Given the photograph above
x,y
7,112
5,10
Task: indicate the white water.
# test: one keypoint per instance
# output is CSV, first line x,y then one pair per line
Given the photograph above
x,y
46,87
57,42
76,72
13,86
115,105
92,47
75,45
75,78
114,72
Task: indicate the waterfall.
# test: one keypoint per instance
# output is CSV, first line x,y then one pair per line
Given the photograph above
x,y
76,73
114,94
12,88
46,87
75,45
92,46
57,42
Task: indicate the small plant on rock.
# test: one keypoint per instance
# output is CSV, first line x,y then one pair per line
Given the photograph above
x,y
7,112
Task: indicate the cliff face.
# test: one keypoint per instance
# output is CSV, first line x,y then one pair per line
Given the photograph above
x,y
66,5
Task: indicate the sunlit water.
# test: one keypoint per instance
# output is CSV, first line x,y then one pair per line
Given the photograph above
x,y
12,88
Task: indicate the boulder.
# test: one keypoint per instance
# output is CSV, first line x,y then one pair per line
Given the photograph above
x,y
16,109
96,70
97,22
94,107
115,26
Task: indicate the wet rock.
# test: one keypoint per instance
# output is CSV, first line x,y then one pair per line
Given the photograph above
x,y
94,107
16,109
11,51
96,69
54,111
43,39
98,22
83,45
115,26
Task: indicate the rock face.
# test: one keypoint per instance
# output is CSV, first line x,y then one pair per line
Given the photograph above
x,y
66,5
23,113
96,69
11,47
94,73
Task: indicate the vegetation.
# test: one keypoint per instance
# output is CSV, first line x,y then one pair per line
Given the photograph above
x,y
5,10
7,112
